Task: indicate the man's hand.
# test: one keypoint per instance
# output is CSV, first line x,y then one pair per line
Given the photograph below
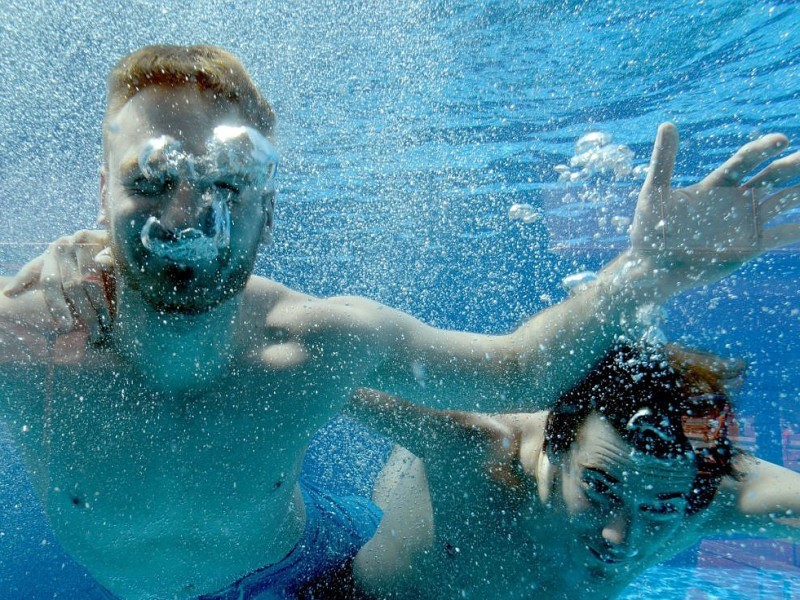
x,y
70,275
696,235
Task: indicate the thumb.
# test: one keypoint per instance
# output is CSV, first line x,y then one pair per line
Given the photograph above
x,y
104,260
662,161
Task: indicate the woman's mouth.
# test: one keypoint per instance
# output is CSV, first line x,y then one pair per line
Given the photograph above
x,y
610,557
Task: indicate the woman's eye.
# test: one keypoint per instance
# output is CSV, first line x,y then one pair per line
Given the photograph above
x,y
661,509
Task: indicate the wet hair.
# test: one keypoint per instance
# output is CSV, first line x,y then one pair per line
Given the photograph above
x,y
203,67
665,402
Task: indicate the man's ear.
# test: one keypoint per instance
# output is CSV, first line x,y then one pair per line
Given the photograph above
x,y
269,218
102,219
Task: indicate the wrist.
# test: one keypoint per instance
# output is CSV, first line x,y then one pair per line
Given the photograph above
x,y
633,280
630,294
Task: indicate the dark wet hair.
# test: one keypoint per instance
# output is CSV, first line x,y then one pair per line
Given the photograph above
x,y
664,402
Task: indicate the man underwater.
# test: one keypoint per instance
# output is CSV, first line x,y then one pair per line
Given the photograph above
x,y
167,459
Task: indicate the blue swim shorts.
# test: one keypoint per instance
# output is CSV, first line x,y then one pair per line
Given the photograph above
x,y
336,529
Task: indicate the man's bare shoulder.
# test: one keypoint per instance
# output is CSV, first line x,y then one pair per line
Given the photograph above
x,y
297,312
286,328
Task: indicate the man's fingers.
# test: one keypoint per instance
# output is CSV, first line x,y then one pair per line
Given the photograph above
x,y
82,308
779,203
779,172
782,235
662,161
104,260
54,294
747,158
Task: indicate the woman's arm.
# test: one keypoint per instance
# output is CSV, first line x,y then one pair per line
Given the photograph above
x,y
763,500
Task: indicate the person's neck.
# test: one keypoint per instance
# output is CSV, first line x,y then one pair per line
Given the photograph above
x,y
174,352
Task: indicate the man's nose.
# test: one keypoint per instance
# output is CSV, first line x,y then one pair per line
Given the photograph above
x,y
185,208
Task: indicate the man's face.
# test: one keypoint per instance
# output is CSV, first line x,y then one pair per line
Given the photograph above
x,y
623,504
156,214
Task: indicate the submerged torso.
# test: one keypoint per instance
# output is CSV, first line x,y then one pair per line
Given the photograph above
x,y
172,493
488,556
491,524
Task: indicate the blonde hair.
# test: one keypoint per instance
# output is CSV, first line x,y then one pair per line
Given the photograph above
x,y
204,67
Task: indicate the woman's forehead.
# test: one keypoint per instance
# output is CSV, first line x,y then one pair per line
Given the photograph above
x,y
598,446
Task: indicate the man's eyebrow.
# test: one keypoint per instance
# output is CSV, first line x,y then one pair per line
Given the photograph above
x,y
129,166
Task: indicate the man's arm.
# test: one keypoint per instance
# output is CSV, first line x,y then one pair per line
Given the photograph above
x,y
679,239
471,496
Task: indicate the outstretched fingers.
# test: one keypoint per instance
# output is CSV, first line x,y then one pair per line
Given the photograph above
x,y
779,172
747,158
779,203
662,161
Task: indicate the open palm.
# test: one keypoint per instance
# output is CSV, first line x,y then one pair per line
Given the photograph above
x,y
697,235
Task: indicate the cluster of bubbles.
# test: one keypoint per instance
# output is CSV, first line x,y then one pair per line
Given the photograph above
x,y
596,161
578,281
646,325
524,212
596,156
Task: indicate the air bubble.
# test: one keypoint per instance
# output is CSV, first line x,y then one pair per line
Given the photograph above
x,y
524,212
577,281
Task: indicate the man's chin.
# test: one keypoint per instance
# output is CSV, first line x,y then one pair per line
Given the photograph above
x,y
182,307
172,288
194,301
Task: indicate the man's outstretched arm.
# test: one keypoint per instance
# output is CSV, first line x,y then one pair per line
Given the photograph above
x,y
680,239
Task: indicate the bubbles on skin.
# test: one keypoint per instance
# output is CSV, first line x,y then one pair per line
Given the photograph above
x,y
420,373
578,281
620,223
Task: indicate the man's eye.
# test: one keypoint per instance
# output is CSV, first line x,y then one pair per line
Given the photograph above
x,y
143,186
228,188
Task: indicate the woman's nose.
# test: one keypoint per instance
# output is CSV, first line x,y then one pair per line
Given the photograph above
x,y
615,531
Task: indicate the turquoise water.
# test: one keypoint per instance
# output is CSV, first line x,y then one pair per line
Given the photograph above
x,y
407,131
713,584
